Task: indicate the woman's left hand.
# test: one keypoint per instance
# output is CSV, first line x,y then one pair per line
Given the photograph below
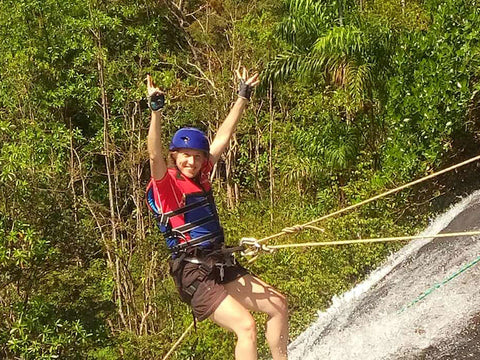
x,y
247,84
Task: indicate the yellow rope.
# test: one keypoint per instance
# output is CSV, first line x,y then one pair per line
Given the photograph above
x,y
283,232
373,240
180,339
297,228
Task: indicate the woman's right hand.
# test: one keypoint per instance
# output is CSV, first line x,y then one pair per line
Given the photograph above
x,y
158,167
156,97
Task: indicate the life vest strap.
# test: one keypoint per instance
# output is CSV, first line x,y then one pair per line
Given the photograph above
x,y
187,208
197,241
180,231
189,226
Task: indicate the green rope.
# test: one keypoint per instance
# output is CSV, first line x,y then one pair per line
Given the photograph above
x,y
438,285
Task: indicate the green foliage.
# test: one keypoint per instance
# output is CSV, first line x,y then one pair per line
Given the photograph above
x,y
31,337
22,249
31,328
433,87
353,57
367,95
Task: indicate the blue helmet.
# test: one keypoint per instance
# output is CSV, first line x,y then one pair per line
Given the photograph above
x,y
190,138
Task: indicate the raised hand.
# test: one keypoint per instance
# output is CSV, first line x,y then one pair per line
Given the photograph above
x,y
156,97
246,84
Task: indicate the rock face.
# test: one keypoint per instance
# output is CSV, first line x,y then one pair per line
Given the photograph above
x,y
424,303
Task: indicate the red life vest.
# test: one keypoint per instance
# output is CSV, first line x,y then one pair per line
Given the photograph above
x,y
185,211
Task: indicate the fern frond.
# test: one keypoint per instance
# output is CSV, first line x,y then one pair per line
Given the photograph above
x,y
341,41
306,22
340,152
280,68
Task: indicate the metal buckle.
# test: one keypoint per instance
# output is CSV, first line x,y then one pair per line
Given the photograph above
x,y
221,267
193,260
252,247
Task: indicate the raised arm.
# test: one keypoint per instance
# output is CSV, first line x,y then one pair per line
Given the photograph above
x,y
158,166
226,130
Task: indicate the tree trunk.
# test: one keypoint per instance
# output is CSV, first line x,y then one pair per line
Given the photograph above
x,y
72,172
113,261
258,138
340,12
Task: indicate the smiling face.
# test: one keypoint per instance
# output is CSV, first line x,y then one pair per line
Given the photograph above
x,y
189,161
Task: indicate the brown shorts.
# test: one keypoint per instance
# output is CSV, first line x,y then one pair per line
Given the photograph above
x,y
210,290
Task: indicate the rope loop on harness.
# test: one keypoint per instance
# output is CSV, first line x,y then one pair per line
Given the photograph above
x,y
252,247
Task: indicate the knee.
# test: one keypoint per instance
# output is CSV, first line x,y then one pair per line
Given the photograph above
x,y
280,305
246,328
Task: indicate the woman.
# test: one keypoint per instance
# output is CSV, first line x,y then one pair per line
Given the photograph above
x,y
207,277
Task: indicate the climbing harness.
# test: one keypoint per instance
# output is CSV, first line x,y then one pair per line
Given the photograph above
x,y
206,261
176,271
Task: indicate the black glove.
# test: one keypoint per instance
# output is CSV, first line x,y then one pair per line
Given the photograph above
x,y
156,101
244,90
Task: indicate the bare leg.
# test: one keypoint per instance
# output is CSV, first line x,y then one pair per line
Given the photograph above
x,y
233,316
256,295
